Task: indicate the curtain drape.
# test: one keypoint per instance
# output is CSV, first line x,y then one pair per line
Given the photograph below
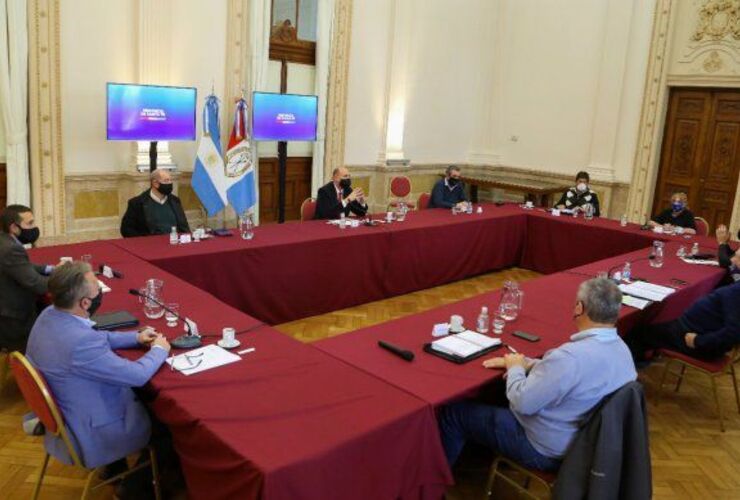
x,y
14,97
324,30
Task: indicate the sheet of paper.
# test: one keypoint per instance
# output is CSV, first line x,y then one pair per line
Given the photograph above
x,y
701,262
455,346
631,301
478,339
103,287
648,291
202,359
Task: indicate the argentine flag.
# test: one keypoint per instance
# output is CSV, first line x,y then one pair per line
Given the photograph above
x,y
241,190
209,177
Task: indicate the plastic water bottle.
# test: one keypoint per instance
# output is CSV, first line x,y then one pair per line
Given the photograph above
x,y
342,220
469,208
174,238
623,220
482,324
695,249
627,272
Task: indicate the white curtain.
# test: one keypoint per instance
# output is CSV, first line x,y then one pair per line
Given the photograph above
x,y
324,30
14,97
258,32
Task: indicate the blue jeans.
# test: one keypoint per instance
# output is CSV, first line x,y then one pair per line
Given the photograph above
x,y
491,426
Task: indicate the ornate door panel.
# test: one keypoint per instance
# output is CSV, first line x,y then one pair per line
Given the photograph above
x,y
701,152
297,187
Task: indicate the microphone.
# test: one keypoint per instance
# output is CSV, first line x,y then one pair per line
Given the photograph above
x,y
116,274
401,353
188,341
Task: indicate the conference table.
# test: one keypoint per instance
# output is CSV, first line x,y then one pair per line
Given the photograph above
x,y
342,418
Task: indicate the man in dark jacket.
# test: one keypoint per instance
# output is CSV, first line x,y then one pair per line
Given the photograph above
x,y
156,210
338,197
21,282
450,191
707,330
728,258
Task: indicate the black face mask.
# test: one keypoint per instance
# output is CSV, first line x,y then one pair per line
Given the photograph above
x,y
452,182
28,236
165,189
95,303
345,183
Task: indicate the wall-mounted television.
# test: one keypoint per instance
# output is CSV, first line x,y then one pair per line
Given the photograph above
x,y
150,112
284,117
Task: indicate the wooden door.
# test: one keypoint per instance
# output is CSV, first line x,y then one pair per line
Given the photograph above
x,y
701,152
297,187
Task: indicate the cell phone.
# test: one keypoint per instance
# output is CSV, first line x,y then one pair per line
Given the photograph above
x,y
526,336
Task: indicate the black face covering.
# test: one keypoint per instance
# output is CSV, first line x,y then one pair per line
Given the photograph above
x,y
28,236
95,303
345,183
165,189
452,182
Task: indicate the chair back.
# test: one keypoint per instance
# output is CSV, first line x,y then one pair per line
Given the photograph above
x,y
400,186
308,209
37,395
424,201
702,226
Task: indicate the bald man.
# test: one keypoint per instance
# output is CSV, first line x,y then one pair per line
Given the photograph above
x,y
339,197
156,210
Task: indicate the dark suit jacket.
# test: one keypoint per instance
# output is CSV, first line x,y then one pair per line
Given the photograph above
x,y
21,282
137,221
610,456
329,207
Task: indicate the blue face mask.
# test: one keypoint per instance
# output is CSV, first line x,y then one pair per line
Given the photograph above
x,y
677,206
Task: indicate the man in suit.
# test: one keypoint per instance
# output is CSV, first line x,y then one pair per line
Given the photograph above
x,y
156,210
338,197
450,191
728,258
21,282
90,382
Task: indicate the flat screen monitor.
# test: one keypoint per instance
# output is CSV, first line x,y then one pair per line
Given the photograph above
x,y
284,117
150,112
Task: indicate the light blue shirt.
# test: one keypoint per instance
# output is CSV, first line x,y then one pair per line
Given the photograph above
x,y
551,401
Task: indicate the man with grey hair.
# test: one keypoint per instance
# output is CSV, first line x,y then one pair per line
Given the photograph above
x,y
548,398
156,210
450,191
92,384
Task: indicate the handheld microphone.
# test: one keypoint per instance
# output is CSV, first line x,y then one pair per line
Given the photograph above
x,y
116,274
401,353
188,341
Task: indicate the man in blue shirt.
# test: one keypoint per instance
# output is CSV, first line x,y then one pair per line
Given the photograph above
x,y
450,191
707,330
548,398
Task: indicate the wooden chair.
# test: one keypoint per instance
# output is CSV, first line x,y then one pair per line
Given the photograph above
x,y
423,202
38,397
400,190
546,479
713,369
308,209
702,226
4,368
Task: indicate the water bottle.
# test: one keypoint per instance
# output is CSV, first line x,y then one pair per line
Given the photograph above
x,y
627,272
588,211
623,220
482,324
246,227
174,238
656,254
342,220
695,249
469,208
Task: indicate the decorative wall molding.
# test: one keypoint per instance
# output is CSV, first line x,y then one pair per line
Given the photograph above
x,y
45,116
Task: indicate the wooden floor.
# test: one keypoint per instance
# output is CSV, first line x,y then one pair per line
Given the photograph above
x,y
691,457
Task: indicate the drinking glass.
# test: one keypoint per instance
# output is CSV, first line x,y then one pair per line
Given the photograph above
x,y
171,314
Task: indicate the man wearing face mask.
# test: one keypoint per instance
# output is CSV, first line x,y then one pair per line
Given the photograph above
x,y
338,197
580,195
450,191
728,258
677,216
92,384
156,210
21,282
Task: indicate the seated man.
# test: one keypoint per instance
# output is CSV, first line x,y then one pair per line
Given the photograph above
x,y
89,381
708,329
21,282
579,195
677,216
548,398
728,258
156,210
337,197
450,191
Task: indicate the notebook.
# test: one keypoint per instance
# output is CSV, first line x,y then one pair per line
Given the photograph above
x,y
463,346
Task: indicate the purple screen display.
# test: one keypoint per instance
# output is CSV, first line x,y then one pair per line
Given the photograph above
x,y
284,117
151,113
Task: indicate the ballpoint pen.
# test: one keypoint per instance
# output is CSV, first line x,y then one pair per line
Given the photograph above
x,y
514,351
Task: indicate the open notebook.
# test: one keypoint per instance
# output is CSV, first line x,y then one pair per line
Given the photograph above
x,y
463,346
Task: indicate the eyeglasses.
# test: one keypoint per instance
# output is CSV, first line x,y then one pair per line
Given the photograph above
x,y
193,361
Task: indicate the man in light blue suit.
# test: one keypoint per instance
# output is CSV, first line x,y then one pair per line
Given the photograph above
x,y
92,384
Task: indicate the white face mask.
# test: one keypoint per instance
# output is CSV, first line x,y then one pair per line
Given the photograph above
x,y
582,187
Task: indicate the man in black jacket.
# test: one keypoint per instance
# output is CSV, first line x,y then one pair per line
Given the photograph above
x,y
156,210
338,197
450,191
728,258
21,282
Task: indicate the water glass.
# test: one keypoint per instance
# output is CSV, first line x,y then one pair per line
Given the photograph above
x,y
588,211
681,253
656,254
171,314
498,323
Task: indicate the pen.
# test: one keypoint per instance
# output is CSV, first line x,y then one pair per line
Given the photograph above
x,y
246,351
511,349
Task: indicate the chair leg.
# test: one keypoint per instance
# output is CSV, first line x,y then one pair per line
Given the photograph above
x,y
492,477
716,400
42,472
155,473
680,377
734,385
4,369
88,483
662,381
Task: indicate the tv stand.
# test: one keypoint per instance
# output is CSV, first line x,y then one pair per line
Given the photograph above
x,y
152,156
